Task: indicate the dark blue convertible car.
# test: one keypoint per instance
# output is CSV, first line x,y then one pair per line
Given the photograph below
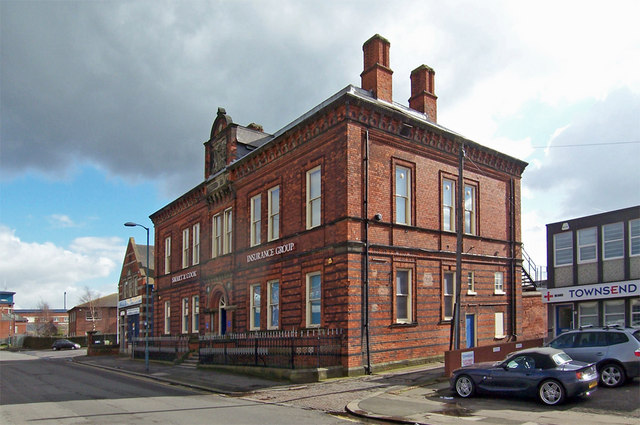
x,y
547,373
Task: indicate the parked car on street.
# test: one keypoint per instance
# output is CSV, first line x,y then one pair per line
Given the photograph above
x,y
546,373
614,349
61,344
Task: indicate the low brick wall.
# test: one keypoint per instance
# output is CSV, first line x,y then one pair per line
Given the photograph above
x,y
487,353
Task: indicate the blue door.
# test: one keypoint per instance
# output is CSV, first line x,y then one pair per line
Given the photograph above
x,y
470,320
564,318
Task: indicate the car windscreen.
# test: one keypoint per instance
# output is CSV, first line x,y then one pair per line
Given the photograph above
x,y
561,358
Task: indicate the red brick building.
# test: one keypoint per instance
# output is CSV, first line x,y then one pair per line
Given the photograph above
x,y
346,218
100,314
11,323
132,293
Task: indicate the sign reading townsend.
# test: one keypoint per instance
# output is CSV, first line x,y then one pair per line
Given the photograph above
x,y
270,252
629,288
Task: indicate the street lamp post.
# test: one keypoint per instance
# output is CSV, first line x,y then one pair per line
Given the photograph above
x,y
146,314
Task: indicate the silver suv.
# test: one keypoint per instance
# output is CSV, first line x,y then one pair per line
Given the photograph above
x,y
614,349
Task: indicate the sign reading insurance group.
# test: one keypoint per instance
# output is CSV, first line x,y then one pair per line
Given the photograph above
x,y
629,288
270,252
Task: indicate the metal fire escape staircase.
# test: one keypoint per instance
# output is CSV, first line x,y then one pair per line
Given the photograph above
x,y
532,275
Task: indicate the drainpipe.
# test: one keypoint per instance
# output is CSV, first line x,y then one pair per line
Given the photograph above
x,y
459,235
512,225
365,276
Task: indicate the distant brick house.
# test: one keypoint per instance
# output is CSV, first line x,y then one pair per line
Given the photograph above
x,y
132,301
346,218
45,322
100,315
11,323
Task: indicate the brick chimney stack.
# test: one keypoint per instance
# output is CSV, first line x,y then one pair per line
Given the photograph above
x,y
376,76
423,98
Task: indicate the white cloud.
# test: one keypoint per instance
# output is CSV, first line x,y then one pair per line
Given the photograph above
x,y
44,271
61,220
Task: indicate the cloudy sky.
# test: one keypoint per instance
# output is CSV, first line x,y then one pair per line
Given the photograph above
x,y
105,106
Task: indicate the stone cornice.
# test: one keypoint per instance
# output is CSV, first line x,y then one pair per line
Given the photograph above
x,y
176,207
387,119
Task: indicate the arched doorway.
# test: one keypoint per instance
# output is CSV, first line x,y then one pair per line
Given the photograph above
x,y
218,322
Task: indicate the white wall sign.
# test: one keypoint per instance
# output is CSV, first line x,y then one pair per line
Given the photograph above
x,y
270,252
467,358
630,288
184,276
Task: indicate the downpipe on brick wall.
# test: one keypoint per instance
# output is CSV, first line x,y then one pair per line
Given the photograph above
x,y
366,255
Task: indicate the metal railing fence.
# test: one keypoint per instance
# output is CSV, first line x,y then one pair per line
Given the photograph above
x,y
297,349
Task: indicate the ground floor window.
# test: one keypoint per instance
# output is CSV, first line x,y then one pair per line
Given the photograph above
x,y
273,311
167,317
403,296
255,307
588,314
195,318
314,299
635,313
185,315
447,295
499,325
614,312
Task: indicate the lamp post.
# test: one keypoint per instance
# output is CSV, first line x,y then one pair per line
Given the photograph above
x,y
146,314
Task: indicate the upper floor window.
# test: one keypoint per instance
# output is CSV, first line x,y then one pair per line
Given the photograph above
x,y
314,197
228,231
255,219
218,235
471,284
498,283
255,307
613,240
167,255
469,209
273,312
403,195
314,299
587,245
448,205
403,296
185,248
563,248
634,237
195,253
274,213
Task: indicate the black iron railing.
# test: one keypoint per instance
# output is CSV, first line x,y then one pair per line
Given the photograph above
x,y
280,349
167,348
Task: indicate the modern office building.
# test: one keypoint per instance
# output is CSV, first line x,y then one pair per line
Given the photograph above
x,y
594,271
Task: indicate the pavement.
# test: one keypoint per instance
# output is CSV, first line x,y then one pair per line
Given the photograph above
x,y
415,395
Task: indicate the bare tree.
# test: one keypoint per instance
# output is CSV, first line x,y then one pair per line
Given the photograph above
x,y
89,298
44,322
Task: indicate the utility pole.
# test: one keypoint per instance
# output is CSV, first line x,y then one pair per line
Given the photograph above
x,y
459,235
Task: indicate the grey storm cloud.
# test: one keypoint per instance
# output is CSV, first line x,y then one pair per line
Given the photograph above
x,y
604,176
133,87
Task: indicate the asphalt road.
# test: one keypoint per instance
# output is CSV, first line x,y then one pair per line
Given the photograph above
x,y
48,388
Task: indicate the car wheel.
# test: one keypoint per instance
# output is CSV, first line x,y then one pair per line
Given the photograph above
x,y
464,386
54,348
551,392
612,375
